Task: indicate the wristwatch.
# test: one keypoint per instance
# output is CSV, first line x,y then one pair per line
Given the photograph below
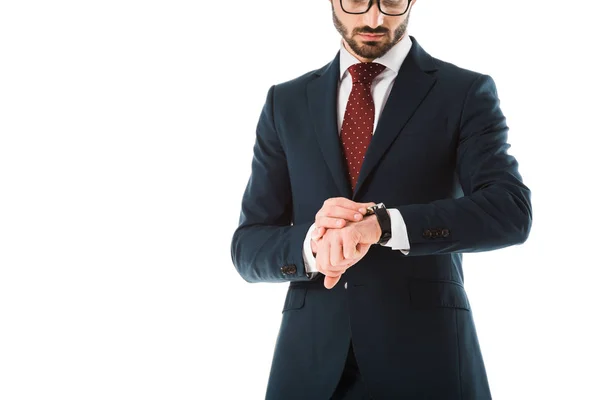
x,y
384,220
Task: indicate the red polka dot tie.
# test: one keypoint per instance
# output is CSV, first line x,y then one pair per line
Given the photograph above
x,y
357,127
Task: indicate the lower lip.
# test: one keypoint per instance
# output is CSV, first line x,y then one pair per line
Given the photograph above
x,y
371,37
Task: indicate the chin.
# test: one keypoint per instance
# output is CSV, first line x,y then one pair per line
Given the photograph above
x,y
373,44
372,47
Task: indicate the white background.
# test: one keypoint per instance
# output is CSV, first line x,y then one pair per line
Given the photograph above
x,y
126,134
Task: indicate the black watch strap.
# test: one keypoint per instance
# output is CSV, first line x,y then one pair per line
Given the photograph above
x,y
385,223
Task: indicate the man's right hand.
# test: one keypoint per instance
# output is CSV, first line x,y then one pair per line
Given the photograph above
x,y
334,214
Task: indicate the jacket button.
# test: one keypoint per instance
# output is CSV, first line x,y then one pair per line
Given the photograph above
x,y
426,233
288,269
345,285
445,232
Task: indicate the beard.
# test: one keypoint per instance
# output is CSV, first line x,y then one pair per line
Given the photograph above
x,y
370,49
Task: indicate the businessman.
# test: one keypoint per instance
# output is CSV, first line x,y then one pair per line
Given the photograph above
x,y
370,177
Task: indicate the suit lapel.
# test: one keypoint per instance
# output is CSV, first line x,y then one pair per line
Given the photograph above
x,y
409,89
322,103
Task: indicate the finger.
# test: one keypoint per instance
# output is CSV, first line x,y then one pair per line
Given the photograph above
x,y
349,214
340,269
347,203
362,249
319,257
362,207
317,233
350,239
336,253
330,281
314,246
329,222
324,253
350,251
348,247
327,268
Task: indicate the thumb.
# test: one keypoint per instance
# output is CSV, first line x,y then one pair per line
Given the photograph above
x,y
330,282
317,233
365,205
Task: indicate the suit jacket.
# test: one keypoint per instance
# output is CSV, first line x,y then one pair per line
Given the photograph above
x,y
439,155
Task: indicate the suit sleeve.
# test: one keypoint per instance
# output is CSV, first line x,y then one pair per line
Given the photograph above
x,y
267,245
495,210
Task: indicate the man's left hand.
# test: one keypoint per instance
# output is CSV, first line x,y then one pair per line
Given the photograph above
x,y
339,249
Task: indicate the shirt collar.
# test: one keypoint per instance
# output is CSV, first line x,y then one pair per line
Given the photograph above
x,y
393,59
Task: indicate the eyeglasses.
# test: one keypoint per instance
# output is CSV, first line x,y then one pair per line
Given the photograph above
x,y
387,7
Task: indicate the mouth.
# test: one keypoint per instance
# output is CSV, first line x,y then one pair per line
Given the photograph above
x,y
371,36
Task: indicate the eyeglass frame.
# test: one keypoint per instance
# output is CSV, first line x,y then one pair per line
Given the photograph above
x,y
378,6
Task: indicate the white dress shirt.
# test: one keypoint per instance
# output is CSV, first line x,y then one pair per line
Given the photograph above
x,y
380,89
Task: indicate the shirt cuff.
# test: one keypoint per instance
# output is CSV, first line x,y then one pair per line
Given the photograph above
x,y
310,262
399,239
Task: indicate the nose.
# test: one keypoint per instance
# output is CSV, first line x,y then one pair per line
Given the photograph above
x,y
373,18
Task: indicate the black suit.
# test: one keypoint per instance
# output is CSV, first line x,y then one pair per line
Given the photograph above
x,y
438,155
351,385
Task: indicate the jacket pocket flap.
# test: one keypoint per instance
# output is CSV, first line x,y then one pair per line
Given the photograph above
x,y
294,298
432,293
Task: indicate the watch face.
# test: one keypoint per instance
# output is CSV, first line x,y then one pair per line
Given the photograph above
x,y
371,210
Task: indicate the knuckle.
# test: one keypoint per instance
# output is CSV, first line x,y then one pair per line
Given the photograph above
x,y
348,234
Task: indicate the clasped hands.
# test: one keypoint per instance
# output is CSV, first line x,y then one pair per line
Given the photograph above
x,y
342,236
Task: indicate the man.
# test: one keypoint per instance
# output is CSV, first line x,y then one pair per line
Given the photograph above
x,y
422,144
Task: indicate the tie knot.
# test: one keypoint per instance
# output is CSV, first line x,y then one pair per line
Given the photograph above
x,y
365,72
